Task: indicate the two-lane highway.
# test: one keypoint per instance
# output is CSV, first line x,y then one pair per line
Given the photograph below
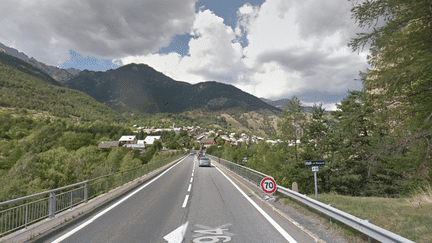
x,y
186,202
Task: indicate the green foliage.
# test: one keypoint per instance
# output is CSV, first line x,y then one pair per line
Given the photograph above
x,y
74,141
25,87
129,162
291,122
399,86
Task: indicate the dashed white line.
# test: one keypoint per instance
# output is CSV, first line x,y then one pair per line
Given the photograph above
x,y
192,174
185,201
189,188
191,180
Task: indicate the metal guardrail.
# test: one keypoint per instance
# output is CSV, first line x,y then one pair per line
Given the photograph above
x,y
361,225
46,204
248,173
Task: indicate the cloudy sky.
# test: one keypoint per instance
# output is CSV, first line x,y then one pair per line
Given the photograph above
x,y
270,48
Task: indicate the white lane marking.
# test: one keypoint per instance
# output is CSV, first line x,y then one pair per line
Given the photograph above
x,y
189,188
185,201
111,207
192,174
271,221
177,235
191,179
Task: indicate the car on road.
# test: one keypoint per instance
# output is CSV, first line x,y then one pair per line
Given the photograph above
x,y
204,161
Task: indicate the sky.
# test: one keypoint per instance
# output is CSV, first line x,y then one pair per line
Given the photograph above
x,y
272,49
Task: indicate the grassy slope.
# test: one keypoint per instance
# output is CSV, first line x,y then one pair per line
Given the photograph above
x,y
408,217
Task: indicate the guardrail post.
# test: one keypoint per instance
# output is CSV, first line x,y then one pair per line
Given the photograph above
x,y
85,193
26,216
106,185
369,238
330,216
51,205
71,199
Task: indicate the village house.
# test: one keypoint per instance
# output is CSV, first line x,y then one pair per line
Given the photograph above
x,y
149,140
129,139
207,142
104,145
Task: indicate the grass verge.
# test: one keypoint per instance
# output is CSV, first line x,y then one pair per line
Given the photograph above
x,y
409,217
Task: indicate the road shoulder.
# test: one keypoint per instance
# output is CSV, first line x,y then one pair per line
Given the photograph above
x,y
312,226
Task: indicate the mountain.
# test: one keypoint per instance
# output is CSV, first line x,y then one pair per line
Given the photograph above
x,y
281,104
24,86
61,75
140,88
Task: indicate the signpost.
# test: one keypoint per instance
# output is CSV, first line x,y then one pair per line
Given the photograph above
x,y
315,167
268,185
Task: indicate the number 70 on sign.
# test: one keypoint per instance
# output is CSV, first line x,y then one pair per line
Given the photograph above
x,y
268,185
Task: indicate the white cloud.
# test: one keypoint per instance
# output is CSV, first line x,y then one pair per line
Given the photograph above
x,y
214,54
289,47
103,28
301,50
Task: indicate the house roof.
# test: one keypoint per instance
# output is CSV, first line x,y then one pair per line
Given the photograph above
x,y
151,139
207,140
113,144
135,146
127,138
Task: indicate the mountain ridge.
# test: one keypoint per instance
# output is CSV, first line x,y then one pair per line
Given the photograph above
x,y
143,89
59,74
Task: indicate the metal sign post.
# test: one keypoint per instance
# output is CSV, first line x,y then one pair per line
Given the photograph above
x,y
315,167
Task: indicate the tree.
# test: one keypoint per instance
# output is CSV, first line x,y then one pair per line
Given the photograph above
x,y
219,141
291,122
400,81
315,132
352,142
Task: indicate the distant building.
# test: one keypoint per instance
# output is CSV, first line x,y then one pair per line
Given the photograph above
x,y
114,144
150,139
207,142
130,139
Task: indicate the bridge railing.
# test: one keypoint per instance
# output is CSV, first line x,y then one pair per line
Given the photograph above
x,y
20,212
361,225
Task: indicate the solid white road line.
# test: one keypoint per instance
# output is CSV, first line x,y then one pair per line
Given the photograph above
x,y
111,207
271,221
189,188
185,201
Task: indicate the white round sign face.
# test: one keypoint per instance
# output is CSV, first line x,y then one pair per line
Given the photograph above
x,y
268,185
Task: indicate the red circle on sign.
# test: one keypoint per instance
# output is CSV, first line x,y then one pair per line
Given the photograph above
x,y
268,185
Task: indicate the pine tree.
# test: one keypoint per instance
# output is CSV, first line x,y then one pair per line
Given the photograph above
x,y
291,123
399,83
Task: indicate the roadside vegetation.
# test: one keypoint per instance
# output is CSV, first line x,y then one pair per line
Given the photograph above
x,y
39,152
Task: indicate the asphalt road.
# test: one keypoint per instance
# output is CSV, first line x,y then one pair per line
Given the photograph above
x,y
189,203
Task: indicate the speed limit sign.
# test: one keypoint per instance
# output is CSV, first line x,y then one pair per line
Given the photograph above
x,y
268,185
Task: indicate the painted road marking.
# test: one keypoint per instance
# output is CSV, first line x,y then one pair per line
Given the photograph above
x,y
191,180
210,234
111,207
266,216
189,188
185,201
192,174
177,235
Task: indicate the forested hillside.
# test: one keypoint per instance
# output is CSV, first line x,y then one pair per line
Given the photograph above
x,y
378,142
24,86
49,134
